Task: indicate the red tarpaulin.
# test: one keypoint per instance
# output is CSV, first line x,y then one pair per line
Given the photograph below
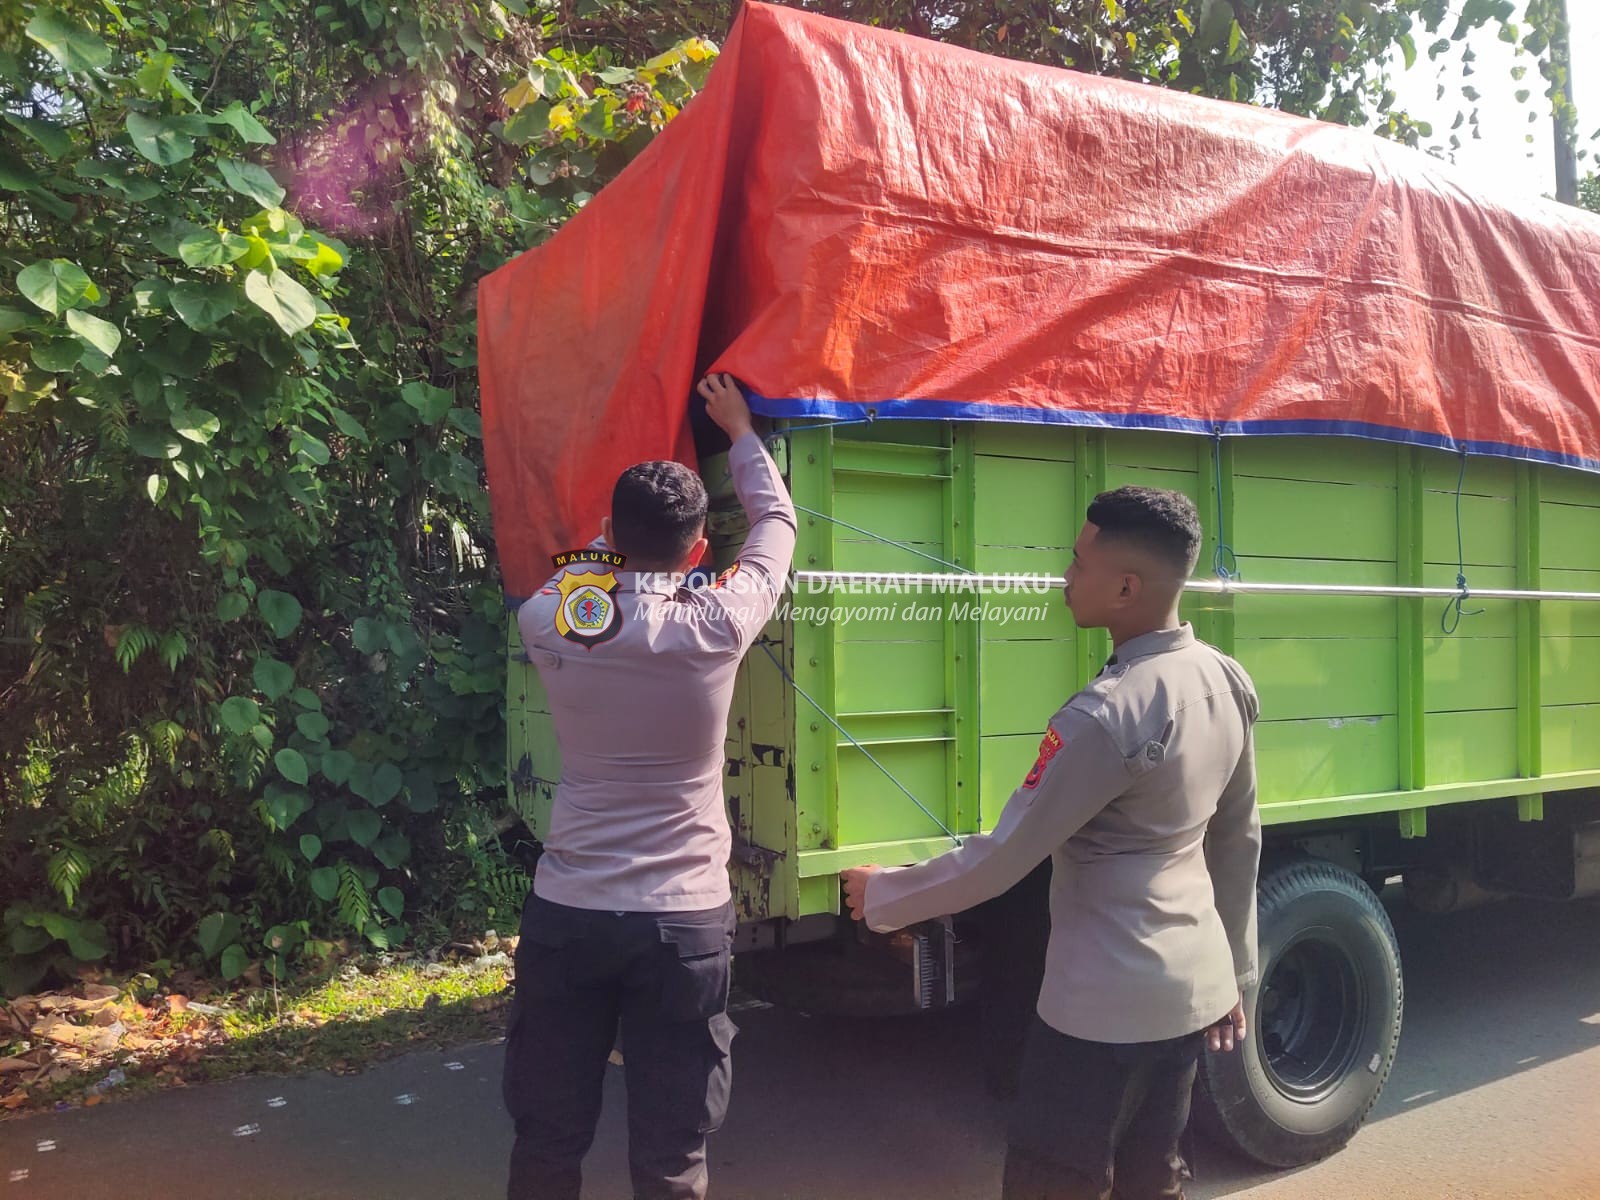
x,y
848,219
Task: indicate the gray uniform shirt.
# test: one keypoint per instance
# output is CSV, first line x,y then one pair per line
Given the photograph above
x,y
639,822
1145,794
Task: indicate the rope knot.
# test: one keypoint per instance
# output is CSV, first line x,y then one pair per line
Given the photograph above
x,y
1450,619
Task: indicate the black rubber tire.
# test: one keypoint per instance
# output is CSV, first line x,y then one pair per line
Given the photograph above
x,y
1324,1022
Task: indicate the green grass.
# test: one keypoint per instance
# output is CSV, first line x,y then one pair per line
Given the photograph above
x,y
343,1024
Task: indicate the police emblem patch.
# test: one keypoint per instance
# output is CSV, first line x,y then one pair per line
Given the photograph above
x,y
588,612
1048,748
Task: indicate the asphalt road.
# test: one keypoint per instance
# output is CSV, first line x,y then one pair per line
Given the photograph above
x,y
1496,1096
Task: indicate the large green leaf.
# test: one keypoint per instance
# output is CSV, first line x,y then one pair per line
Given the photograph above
x,y
313,449
1216,21
325,261
282,299
131,185
421,796
85,939
163,140
216,931
392,849
325,883
16,175
1408,48
337,765
367,634
53,139
72,45
314,725
274,221
158,75
310,846
196,424
242,123
154,442
431,403
253,182
53,204
280,610
274,678
92,331
360,780
285,808
210,248
365,825
235,961
239,714
29,939
291,765
150,295
386,780
527,123
56,354
202,305
13,319
347,424
56,285
393,901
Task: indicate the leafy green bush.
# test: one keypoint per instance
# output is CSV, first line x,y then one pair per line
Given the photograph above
x,y
252,667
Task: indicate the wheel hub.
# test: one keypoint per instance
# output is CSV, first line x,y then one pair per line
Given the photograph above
x,y
1312,1013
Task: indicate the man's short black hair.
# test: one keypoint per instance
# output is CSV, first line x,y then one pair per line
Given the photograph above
x,y
1163,523
658,509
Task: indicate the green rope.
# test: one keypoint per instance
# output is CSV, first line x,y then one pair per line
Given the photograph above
x,y
828,717
878,537
1450,619
804,695
872,415
1224,562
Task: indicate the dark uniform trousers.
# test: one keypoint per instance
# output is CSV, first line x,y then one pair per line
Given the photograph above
x,y
662,978
1095,1120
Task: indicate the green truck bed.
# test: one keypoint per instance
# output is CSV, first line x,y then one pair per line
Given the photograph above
x,y
1367,705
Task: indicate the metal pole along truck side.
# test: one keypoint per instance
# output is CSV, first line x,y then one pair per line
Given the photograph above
x,y
973,293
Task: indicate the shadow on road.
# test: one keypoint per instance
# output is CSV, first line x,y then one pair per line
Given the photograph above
x,y
1490,993
895,1109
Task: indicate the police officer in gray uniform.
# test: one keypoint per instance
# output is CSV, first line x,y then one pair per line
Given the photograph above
x,y
630,923
1144,794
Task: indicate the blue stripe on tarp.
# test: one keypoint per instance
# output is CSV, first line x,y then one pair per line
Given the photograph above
x,y
953,410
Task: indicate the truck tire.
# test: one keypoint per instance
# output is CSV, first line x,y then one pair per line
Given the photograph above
x,y
1324,1022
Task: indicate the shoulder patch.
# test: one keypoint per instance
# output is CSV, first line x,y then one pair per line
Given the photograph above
x,y
1048,749
589,612
727,575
